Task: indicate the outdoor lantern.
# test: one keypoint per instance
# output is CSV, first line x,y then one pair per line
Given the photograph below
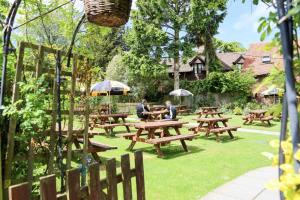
x,y
111,13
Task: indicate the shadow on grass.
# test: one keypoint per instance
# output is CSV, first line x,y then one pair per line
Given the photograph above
x,y
223,138
260,124
171,151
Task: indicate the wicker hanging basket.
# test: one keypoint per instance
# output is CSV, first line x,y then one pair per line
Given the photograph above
x,y
111,13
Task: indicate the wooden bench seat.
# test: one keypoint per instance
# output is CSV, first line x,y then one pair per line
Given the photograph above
x,y
99,145
129,135
224,129
268,118
170,138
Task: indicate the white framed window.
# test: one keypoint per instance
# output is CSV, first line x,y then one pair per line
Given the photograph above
x,y
266,59
198,68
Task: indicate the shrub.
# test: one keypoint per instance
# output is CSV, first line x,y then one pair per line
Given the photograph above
x,y
275,111
237,111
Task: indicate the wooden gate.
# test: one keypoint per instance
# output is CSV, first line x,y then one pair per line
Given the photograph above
x,y
104,189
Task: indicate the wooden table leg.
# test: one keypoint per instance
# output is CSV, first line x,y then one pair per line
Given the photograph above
x,y
182,141
127,127
138,133
158,151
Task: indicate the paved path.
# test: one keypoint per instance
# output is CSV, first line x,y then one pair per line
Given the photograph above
x,y
249,186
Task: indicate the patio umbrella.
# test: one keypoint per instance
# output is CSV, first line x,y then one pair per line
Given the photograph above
x,y
109,87
181,93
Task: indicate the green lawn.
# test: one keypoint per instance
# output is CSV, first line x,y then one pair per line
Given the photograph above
x,y
238,121
187,176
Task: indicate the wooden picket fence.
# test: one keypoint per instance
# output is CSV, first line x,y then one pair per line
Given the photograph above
x,y
104,189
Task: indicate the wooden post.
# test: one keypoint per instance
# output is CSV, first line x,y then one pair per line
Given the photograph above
x,y
94,182
126,173
139,172
13,121
53,128
19,192
73,184
71,112
48,188
111,177
87,111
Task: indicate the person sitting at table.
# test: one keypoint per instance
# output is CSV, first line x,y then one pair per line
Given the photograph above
x,y
171,109
141,108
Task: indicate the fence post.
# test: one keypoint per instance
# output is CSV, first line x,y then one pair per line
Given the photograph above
x,y
19,192
139,171
126,173
112,191
73,184
48,187
94,182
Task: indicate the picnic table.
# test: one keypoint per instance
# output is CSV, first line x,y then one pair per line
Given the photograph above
x,y
103,121
257,115
158,107
78,137
157,133
156,115
211,125
209,112
182,109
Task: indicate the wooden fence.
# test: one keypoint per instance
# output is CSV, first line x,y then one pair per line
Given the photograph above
x,y
104,189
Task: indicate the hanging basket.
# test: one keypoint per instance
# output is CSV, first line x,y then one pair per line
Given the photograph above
x,y
111,13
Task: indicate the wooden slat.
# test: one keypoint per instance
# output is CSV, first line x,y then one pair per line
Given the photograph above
x,y
73,184
48,188
19,192
94,182
139,170
112,191
127,187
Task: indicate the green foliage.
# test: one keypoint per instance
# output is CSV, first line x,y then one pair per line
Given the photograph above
x,y
275,111
218,82
223,46
237,111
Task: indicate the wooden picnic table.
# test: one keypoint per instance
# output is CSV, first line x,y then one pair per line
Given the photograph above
x,y
257,115
103,121
77,138
157,133
211,125
209,114
156,115
158,107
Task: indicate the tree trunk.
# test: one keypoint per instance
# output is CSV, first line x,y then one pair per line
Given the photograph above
x,y
176,61
210,54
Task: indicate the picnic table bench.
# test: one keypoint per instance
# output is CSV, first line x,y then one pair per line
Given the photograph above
x,y
211,114
211,125
157,107
157,134
95,147
257,115
155,115
103,121
78,137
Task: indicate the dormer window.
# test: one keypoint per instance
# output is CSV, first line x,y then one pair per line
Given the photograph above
x,y
266,59
198,68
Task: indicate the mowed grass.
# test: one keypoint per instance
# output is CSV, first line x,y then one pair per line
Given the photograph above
x,y
236,120
208,164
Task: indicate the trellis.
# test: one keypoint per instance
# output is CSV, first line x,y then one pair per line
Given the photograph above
x,y
78,73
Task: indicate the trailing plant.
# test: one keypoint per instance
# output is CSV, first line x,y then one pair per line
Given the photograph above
x,y
32,122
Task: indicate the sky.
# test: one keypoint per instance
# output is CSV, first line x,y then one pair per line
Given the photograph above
x,y
240,23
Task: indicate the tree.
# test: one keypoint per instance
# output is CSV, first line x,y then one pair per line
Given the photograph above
x,y
224,47
117,70
164,20
203,24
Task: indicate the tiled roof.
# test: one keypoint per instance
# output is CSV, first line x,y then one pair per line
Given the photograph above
x,y
226,58
253,58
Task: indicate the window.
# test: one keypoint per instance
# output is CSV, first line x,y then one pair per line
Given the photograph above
x,y
266,59
198,68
